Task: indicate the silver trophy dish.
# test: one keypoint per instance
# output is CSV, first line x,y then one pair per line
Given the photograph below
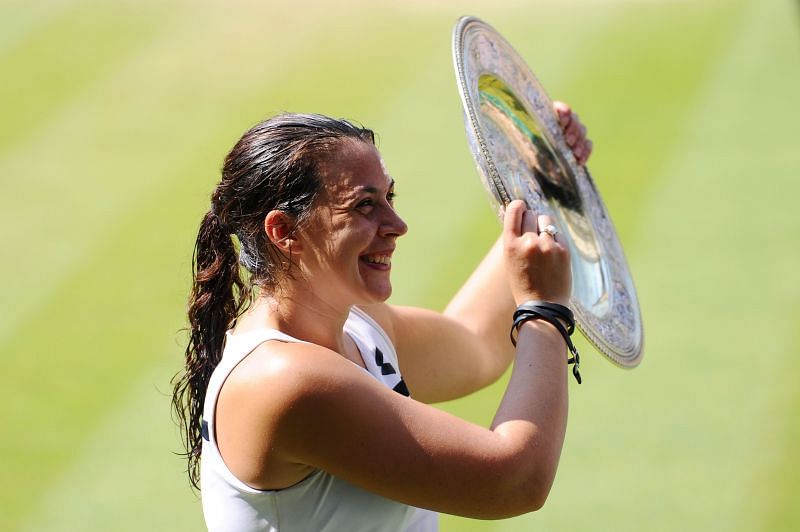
x,y
521,153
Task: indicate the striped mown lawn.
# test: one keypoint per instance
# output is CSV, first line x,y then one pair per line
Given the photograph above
x,y
115,119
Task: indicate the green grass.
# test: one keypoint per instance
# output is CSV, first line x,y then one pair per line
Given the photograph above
x,y
117,116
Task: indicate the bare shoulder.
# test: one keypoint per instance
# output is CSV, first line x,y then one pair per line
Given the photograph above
x,y
288,370
279,380
278,385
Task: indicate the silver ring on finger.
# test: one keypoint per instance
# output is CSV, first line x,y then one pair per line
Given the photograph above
x,y
550,229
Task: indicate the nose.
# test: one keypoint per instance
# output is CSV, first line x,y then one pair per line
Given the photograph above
x,y
393,225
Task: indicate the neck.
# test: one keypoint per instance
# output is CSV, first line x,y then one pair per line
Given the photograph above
x,y
301,314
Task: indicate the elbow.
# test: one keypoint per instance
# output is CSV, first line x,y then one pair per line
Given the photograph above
x,y
531,496
504,494
528,490
538,484
528,466
512,505
537,499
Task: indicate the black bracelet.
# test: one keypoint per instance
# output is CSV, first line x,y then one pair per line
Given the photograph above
x,y
554,314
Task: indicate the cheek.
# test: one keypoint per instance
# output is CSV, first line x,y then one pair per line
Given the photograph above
x,y
337,251
319,238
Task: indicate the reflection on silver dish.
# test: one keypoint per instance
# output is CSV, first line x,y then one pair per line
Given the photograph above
x,y
521,154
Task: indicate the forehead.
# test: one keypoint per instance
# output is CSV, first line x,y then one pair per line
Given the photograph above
x,y
353,167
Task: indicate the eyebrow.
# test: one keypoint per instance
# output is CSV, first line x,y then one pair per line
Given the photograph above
x,y
373,190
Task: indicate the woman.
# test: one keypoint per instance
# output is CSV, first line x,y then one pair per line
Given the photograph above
x,y
305,422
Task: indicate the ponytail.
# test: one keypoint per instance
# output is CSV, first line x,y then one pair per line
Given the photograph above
x,y
217,298
274,166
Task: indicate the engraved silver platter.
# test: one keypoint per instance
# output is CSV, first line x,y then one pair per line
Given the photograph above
x,y
520,152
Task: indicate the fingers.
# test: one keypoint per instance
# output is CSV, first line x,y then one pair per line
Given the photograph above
x,y
560,238
574,132
544,220
546,225
528,220
512,220
563,112
518,219
548,239
583,152
536,260
571,125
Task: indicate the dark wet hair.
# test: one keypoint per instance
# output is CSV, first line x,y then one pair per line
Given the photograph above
x,y
274,166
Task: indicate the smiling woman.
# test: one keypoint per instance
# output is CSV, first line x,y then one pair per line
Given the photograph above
x,y
352,231
304,391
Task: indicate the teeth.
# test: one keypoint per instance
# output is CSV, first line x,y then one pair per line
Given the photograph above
x,y
379,259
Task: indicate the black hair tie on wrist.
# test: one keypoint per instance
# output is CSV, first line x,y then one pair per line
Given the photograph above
x,y
554,314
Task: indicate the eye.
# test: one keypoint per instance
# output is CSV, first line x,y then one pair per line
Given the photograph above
x,y
391,196
365,204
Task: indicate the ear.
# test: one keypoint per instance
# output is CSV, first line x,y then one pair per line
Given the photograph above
x,y
279,227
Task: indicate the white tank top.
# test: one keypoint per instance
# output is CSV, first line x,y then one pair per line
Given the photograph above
x,y
321,501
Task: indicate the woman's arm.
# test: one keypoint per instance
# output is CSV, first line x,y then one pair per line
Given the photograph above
x,y
326,413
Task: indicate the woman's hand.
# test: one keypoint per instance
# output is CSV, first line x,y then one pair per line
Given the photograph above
x,y
537,263
574,132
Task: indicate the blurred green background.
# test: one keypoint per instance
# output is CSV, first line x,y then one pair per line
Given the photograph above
x,y
115,117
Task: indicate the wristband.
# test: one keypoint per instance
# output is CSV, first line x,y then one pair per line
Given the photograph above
x,y
554,314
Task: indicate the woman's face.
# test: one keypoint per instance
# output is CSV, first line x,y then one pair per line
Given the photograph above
x,y
350,236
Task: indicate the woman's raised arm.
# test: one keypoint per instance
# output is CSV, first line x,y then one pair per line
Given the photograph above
x,y
328,414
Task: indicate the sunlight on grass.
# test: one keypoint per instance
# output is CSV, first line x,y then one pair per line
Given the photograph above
x,y
118,116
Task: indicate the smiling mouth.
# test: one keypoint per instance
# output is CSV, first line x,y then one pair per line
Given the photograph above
x,y
383,260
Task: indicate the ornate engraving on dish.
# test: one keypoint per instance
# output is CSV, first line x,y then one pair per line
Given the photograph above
x,y
520,152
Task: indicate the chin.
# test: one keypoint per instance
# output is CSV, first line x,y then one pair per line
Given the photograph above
x,y
379,294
